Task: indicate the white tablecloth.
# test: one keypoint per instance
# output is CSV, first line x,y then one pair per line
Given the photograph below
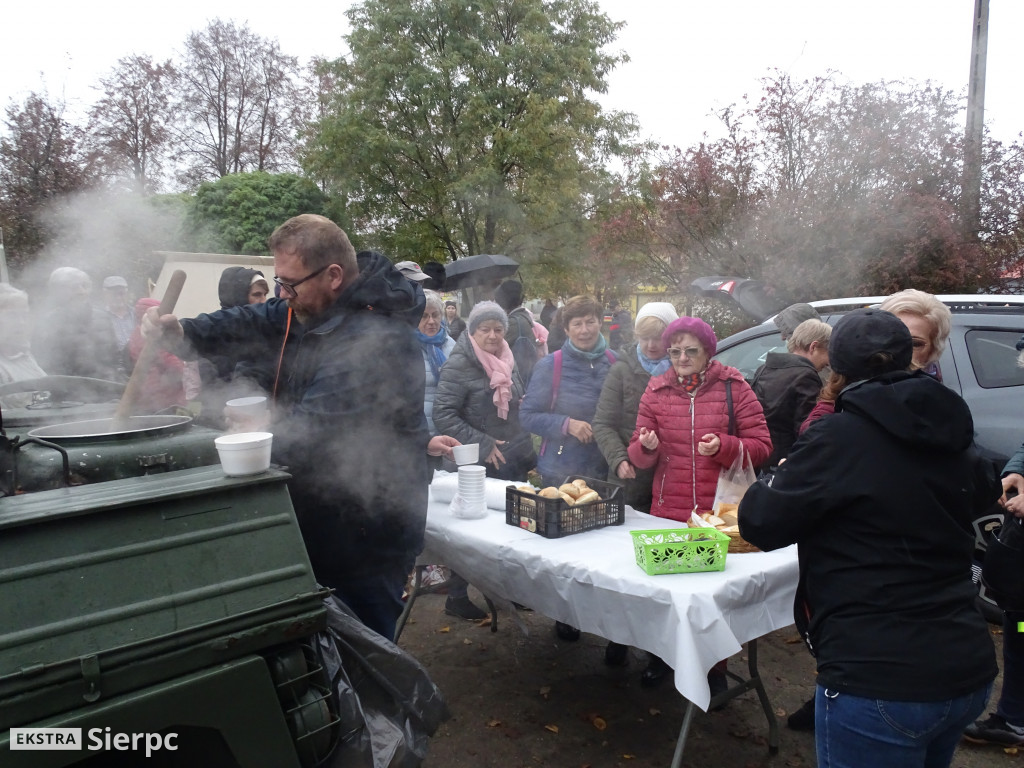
x,y
591,580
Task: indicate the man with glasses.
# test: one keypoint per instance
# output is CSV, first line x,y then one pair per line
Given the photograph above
x,y
347,421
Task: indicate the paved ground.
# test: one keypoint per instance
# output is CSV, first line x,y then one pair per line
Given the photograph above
x,y
527,700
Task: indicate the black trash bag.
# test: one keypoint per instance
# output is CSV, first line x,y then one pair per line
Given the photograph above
x,y
387,704
1003,569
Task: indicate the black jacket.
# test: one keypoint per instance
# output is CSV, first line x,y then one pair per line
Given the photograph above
x,y
880,497
464,409
522,340
787,385
349,421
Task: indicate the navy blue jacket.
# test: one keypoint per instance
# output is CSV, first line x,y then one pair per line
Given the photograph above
x,y
348,421
579,390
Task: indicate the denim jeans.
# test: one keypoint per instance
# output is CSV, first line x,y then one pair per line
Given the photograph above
x,y
850,731
1011,700
376,598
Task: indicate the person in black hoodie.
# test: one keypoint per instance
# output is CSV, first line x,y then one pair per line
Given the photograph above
x,y
880,497
242,285
347,422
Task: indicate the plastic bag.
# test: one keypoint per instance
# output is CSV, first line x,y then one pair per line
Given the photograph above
x,y
386,702
467,510
734,481
1003,568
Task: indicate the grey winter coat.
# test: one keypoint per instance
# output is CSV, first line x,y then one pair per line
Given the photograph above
x,y
464,409
615,421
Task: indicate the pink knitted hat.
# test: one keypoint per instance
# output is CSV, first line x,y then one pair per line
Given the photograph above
x,y
705,335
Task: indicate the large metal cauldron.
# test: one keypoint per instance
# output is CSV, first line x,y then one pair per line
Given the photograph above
x,y
93,451
53,399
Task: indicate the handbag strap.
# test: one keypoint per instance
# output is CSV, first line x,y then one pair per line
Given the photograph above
x,y
728,406
556,379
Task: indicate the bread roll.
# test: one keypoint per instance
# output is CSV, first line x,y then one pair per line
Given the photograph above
x,y
586,498
550,492
715,520
567,498
526,488
580,483
729,518
569,489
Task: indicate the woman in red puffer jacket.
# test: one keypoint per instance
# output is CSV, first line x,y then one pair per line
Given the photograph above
x,y
682,429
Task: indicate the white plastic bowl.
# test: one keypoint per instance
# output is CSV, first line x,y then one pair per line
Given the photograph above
x,y
247,407
466,454
245,453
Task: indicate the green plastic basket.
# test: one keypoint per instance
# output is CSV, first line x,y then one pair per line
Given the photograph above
x,y
683,550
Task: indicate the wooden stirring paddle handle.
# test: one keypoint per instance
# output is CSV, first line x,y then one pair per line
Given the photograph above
x,y
149,352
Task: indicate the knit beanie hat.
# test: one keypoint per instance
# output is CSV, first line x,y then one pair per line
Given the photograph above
x,y
705,335
860,335
659,309
486,310
788,319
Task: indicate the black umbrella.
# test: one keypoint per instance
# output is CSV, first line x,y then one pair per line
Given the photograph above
x,y
478,270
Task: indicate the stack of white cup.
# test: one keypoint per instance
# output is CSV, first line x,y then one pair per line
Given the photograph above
x,y
471,488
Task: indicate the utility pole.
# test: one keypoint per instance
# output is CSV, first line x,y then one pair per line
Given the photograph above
x,y
5,276
970,192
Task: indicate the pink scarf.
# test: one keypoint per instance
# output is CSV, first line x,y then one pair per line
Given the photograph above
x,y
499,372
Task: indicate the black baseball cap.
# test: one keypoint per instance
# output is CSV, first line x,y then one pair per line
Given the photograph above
x,y
860,335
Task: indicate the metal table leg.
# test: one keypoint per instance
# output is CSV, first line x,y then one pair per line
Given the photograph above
x,y
753,682
415,588
677,757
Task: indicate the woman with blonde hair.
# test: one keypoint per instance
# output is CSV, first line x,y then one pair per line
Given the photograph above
x,y
929,322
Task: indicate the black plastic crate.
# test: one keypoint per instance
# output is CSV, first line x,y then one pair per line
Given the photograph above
x,y
554,518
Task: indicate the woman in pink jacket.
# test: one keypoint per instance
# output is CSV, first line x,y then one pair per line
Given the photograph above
x,y
683,431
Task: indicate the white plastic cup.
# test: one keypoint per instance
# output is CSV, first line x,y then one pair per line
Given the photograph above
x,y
245,453
466,454
246,407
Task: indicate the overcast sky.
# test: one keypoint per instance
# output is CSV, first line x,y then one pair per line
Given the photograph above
x,y
688,57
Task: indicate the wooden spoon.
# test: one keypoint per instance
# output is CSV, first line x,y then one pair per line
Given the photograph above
x,y
133,388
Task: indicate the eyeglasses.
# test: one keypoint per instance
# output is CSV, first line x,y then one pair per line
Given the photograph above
x,y
289,288
690,352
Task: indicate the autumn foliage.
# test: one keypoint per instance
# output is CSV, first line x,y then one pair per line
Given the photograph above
x,y
823,189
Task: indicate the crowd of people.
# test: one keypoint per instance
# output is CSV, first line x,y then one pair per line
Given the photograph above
x,y
867,460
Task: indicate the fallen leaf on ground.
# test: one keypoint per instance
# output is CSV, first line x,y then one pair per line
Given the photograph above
x,y
629,757
545,690
552,728
445,629
466,641
780,712
599,723
654,711
485,622
1011,750
493,723
794,640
